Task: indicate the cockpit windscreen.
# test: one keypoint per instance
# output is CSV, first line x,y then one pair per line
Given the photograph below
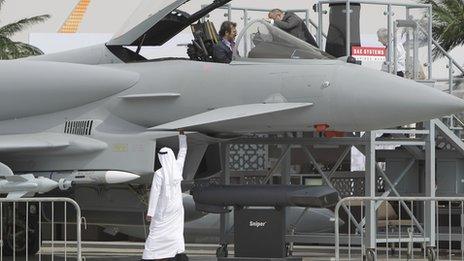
x,y
260,39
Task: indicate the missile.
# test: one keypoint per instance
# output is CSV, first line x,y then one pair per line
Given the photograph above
x,y
92,177
18,186
216,198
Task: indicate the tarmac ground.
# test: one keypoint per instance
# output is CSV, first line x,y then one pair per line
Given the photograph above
x,y
104,251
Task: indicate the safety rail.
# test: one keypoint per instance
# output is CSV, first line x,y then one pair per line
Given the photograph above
x,y
395,228
33,215
246,17
451,61
390,26
451,78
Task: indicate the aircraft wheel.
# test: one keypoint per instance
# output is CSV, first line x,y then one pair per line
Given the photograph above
x,y
222,251
431,254
370,255
181,257
288,250
15,239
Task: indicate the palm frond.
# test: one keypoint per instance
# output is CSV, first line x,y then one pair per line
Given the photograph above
x,y
25,50
448,21
6,48
11,29
14,50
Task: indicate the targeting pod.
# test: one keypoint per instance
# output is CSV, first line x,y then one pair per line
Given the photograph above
x,y
216,198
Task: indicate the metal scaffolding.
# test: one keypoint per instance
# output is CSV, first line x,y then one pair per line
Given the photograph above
x,y
419,143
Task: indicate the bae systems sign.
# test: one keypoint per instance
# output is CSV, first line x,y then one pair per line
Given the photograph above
x,y
257,224
368,53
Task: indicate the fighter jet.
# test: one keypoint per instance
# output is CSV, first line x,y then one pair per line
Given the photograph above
x,y
106,108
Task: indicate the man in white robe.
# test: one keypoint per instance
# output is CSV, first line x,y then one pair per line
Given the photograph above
x,y
165,208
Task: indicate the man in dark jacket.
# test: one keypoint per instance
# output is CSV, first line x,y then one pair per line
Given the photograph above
x,y
223,51
292,24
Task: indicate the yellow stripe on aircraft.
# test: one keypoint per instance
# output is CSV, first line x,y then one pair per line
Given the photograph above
x,y
71,25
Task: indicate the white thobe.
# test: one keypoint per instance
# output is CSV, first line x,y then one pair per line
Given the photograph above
x,y
166,237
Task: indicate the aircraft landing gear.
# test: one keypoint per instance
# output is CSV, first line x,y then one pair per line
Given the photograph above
x,y
14,232
222,251
181,257
431,254
370,255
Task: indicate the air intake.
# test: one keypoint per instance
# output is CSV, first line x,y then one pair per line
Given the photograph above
x,y
78,127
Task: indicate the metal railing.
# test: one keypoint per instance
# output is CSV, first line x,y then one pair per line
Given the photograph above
x,y
392,25
246,15
389,13
26,222
395,229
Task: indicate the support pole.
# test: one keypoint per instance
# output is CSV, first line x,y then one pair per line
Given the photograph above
x,y
319,25
348,28
224,219
229,12
429,219
389,46
245,24
307,20
370,188
395,50
415,53
430,43
285,167
409,64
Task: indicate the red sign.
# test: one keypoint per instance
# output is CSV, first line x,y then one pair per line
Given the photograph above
x,y
368,51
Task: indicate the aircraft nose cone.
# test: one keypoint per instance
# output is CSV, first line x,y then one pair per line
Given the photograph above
x,y
382,100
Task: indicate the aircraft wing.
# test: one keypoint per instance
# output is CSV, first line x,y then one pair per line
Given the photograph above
x,y
43,143
237,116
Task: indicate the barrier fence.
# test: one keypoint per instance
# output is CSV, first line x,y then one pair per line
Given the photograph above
x,y
405,228
27,222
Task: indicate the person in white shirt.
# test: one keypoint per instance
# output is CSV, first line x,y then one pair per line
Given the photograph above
x,y
165,208
382,35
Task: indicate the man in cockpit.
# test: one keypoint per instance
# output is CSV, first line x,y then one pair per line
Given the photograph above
x,y
292,24
223,51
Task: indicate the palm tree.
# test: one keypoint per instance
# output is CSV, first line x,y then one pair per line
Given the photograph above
x,y
12,50
448,24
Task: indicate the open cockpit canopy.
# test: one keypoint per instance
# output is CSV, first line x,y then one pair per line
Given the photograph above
x,y
262,40
155,22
